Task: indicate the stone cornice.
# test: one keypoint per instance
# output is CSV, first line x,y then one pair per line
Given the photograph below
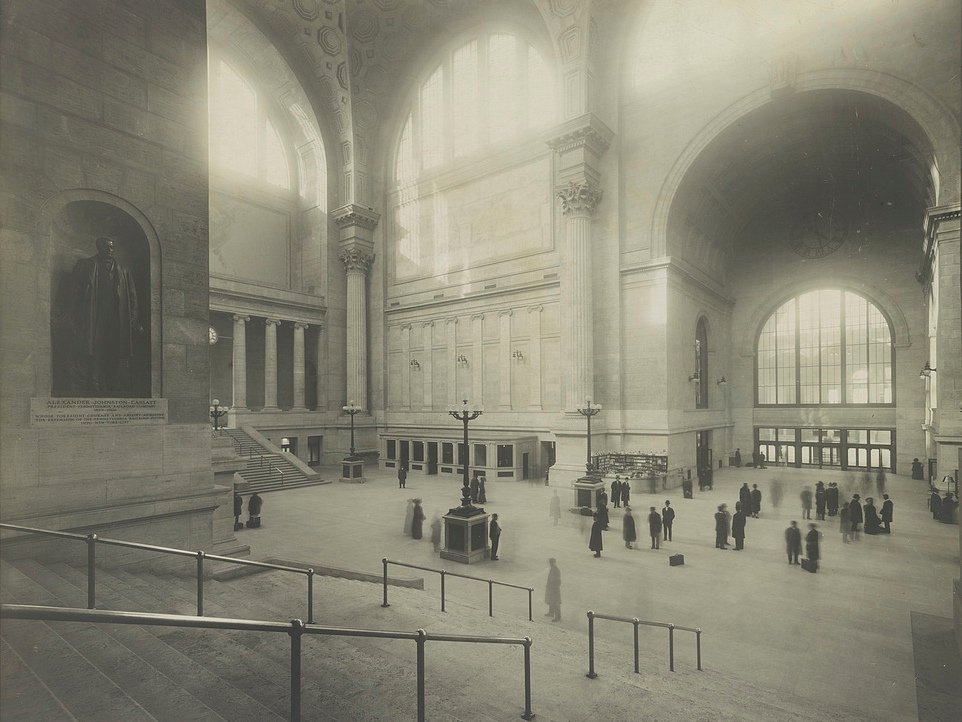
x,y
584,131
582,196
355,215
934,217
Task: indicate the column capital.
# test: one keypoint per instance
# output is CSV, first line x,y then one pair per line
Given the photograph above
x,y
452,320
301,325
272,322
536,309
356,259
579,197
505,312
934,218
427,324
406,326
239,317
477,317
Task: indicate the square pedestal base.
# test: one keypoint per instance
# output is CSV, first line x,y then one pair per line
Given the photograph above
x,y
352,471
465,538
587,489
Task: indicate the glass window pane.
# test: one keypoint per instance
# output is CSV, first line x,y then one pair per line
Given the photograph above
x,y
480,455
432,119
391,449
540,91
766,434
406,171
880,437
417,451
233,123
447,453
503,87
809,435
466,100
857,436
505,455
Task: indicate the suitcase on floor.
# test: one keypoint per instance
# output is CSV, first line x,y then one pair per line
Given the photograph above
x,y
676,560
809,566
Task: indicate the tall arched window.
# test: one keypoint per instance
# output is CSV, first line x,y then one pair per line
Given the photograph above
x,y
701,364
825,347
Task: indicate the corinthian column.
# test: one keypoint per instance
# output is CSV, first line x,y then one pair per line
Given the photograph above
x,y
270,363
299,404
578,203
239,396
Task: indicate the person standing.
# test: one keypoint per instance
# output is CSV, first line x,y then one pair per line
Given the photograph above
x,y
628,528
254,505
756,501
616,492
935,503
887,508
845,523
436,533
667,519
811,547
820,501
554,509
721,528
745,498
806,497
417,520
738,457
831,498
594,541
238,509
603,510
738,527
552,591
475,486
917,471
494,533
793,542
654,527
872,523
402,476
625,491
482,494
855,515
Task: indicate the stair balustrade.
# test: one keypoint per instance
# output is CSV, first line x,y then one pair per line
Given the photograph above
x,y
444,573
635,622
93,540
296,629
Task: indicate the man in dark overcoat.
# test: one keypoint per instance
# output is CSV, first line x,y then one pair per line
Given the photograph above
x,y
855,515
820,500
654,527
667,519
811,546
831,499
625,492
616,492
628,528
745,497
721,528
793,542
494,533
756,501
594,541
738,527
887,509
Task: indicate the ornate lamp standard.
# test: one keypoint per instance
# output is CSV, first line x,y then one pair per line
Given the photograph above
x,y
352,467
466,526
216,414
590,485
589,410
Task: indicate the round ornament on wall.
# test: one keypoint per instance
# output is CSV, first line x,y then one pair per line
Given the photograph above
x,y
212,335
816,234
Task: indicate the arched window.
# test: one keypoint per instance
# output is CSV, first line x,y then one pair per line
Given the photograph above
x,y
488,92
701,364
825,347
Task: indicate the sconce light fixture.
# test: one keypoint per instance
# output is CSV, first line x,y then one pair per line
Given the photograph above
x,y
517,354
695,377
722,381
462,359
415,363
926,371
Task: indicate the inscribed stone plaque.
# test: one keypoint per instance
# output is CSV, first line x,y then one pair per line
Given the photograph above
x,y
79,412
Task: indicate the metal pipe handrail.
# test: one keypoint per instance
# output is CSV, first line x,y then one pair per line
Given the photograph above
x,y
295,628
92,540
444,573
635,622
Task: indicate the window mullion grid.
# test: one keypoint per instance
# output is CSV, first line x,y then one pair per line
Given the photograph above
x,y
798,354
447,109
843,348
521,62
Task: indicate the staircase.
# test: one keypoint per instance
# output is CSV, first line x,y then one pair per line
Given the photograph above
x,y
268,470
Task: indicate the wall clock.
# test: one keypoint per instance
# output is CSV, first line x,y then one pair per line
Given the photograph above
x,y
818,234
212,335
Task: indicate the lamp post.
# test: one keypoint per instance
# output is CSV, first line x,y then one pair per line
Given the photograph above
x,y
589,410
216,414
352,410
464,415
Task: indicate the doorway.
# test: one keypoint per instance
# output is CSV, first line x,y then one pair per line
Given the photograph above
x,y
431,465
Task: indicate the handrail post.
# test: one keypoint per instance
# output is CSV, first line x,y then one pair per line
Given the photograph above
x,y
442,589
91,571
490,598
698,647
384,562
297,631
671,647
634,623
420,642
528,714
200,584
591,645
530,590
310,596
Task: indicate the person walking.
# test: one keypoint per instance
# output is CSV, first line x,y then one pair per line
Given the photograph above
x,y
880,482
494,533
402,476
628,528
436,533
855,515
845,524
820,500
408,518
654,527
831,499
554,509
887,508
745,498
667,519
917,471
552,591
417,520
616,492
738,527
756,501
721,528
776,493
806,497
594,541
793,542
811,547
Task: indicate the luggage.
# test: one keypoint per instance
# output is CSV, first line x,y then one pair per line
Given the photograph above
x,y
676,560
809,566
238,526
254,522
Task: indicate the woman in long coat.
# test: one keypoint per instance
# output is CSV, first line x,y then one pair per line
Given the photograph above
x,y
594,541
872,522
417,520
552,591
811,546
628,528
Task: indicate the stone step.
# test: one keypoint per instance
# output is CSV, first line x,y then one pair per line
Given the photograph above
x,y
24,696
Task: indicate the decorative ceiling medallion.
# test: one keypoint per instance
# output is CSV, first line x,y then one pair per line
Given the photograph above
x,y
307,9
329,39
561,8
816,234
364,26
342,75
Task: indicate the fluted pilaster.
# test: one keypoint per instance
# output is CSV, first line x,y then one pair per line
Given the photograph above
x,y
452,365
535,314
357,263
504,357
299,372
427,366
406,366
270,363
477,373
239,361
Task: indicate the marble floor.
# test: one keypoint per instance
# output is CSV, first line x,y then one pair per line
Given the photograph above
x,y
842,636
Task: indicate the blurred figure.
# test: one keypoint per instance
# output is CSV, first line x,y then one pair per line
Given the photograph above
x,y
935,503
820,501
738,457
738,527
756,501
475,486
880,482
552,591
254,505
887,508
625,491
482,494
776,493
806,497
667,519
417,520
436,533
594,542
603,509
946,508
917,470
831,498
721,527
812,547
845,524
855,515
408,518
628,528
745,498
654,527
494,533
554,509
865,483
238,509
793,542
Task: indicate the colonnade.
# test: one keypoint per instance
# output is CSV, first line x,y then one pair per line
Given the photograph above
x,y
270,362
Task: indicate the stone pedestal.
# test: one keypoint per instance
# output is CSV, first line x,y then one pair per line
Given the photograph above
x,y
466,535
587,489
352,471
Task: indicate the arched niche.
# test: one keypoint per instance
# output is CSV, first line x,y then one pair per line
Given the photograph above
x,y
70,228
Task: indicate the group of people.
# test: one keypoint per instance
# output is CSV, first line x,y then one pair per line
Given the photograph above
x,y
944,507
658,524
254,505
620,491
855,513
